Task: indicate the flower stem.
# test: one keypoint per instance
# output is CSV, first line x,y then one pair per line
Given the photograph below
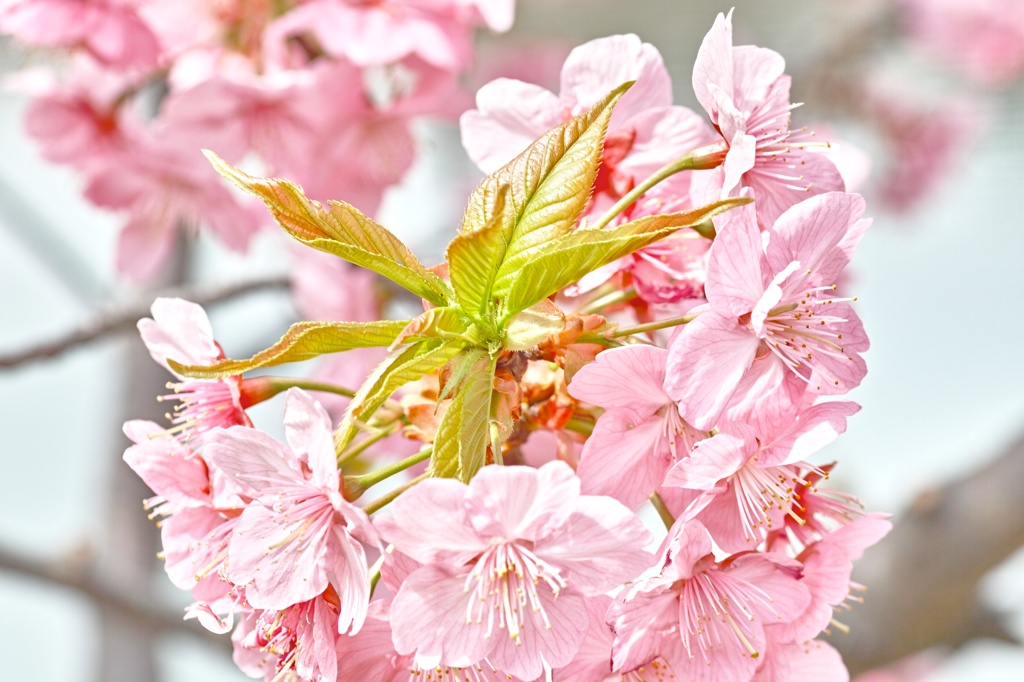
x,y
699,159
359,448
653,326
577,425
385,500
258,389
357,485
662,509
597,305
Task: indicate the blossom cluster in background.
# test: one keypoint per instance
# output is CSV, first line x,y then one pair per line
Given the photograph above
x,y
696,375
322,91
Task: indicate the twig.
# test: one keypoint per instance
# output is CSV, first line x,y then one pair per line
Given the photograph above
x,y
923,578
80,578
122,316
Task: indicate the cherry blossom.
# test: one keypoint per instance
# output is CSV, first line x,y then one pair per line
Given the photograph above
x,y
773,304
298,535
511,531
746,95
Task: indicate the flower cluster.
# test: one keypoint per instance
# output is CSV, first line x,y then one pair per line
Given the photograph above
x,y
551,407
319,90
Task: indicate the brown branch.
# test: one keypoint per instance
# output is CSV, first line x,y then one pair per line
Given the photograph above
x,y
923,578
77,575
121,317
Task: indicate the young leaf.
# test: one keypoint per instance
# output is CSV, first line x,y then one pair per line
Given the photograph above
x,y
570,257
436,323
339,229
548,186
460,446
474,258
399,368
302,341
530,327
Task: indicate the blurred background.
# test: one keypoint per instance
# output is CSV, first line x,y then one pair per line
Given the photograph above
x,y
922,100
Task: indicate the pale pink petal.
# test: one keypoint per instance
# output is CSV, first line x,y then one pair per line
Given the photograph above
x,y
735,280
520,502
601,546
186,539
644,626
538,644
428,523
626,457
428,618
307,429
810,431
167,467
710,461
663,135
318,657
705,364
755,70
179,330
251,458
810,173
510,115
811,231
202,612
630,377
594,659
593,69
777,576
144,245
370,653
714,64
351,580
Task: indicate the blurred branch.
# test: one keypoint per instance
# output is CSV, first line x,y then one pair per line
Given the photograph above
x,y
49,247
123,316
79,577
923,578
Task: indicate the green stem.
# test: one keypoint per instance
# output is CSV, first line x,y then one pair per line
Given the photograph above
x,y
698,159
385,500
620,296
662,509
258,389
360,448
375,573
357,485
582,426
653,326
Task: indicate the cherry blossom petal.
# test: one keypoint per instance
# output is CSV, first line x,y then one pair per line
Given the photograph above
x,y
251,457
714,64
510,115
520,502
735,281
811,231
626,457
307,429
351,580
705,364
601,545
592,69
429,618
540,644
630,377
428,523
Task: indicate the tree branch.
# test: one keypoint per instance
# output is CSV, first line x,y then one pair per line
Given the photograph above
x,y
923,578
80,577
120,317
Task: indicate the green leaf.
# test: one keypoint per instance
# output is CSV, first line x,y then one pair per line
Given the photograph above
x,y
548,186
436,323
572,256
339,229
473,261
460,446
528,328
302,341
403,365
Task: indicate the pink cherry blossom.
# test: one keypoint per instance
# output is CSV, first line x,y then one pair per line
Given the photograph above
x,y
645,132
165,188
109,30
773,304
377,33
297,642
747,475
181,331
370,655
746,95
706,618
512,531
298,535
813,660
984,38
640,435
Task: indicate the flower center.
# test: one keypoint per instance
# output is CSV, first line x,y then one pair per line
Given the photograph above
x,y
504,584
717,610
